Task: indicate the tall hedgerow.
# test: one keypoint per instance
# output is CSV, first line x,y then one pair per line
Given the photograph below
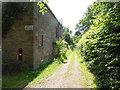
x,y
100,45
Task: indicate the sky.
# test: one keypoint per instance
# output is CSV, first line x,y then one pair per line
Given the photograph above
x,y
71,11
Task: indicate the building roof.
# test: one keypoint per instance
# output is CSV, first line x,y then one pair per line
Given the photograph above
x,y
51,12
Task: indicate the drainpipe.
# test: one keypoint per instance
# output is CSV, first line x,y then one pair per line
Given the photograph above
x,y
58,29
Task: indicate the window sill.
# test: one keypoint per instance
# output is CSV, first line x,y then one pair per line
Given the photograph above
x,y
40,46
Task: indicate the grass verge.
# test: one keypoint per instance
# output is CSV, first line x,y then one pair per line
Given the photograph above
x,y
26,79
23,79
48,71
88,77
72,61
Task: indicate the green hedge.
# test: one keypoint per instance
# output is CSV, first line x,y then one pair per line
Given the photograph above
x,y
100,47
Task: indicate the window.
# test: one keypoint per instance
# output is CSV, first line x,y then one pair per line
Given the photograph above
x,y
56,32
60,31
40,40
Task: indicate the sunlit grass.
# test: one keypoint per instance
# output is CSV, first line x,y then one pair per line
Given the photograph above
x,y
20,80
45,73
88,77
68,54
72,61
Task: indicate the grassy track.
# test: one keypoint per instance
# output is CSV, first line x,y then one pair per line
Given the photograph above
x,y
70,66
88,77
72,61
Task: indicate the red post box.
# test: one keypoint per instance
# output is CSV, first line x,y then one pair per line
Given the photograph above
x,y
20,54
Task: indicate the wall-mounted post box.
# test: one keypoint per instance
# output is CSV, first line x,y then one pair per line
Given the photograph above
x,y
20,54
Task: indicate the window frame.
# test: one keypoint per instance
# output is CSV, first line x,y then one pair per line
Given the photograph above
x,y
40,39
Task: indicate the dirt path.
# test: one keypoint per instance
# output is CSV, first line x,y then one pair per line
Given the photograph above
x,y
64,77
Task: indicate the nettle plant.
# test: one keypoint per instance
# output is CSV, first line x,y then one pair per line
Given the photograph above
x,y
62,49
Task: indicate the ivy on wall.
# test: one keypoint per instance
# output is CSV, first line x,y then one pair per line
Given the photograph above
x,y
12,11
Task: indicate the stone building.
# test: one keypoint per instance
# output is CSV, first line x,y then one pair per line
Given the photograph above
x,y
29,41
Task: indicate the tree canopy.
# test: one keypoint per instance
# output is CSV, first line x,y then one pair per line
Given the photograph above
x,y
67,35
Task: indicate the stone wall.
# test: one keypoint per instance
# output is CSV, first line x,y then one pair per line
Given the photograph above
x,y
44,25
17,37
34,53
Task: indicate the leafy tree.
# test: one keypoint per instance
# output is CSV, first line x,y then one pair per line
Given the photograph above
x,y
67,35
88,17
42,5
76,37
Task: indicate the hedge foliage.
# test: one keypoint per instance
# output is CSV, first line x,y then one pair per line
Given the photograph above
x,y
100,45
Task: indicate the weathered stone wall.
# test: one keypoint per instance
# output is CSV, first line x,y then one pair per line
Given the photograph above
x,y
45,25
17,37
0,23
